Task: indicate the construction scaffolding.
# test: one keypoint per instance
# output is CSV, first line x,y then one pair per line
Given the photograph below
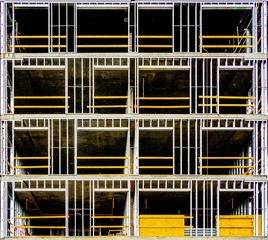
x,y
133,118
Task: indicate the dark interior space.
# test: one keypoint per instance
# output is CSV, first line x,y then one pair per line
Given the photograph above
x,y
112,83
229,201
32,145
235,88
155,144
35,203
155,23
39,84
101,144
223,144
105,23
164,85
106,30
225,22
237,83
164,203
109,204
28,22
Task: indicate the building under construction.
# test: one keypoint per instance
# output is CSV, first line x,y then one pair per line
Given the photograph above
x,y
133,118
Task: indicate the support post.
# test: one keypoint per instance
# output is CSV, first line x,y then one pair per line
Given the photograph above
x,y
3,215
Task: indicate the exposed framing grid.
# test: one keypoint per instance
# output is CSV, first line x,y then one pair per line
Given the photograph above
x,y
186,21
173,110
114,139
78,202
207,200
157,160
141,146
116,71
19,224
209,85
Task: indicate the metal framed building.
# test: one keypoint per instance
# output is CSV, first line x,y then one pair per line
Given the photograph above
x,y
133,118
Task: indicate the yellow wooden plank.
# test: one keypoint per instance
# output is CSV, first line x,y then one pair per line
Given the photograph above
x,y
108,106
237,225
40,217
111,226
260,225
104,46
236,216
164,98
40,97
161,216
165,107
39,106
232,232
155,167
155,46
32,157
41,227
155,223
30,167
161,232
156,36
155,157
227,157
102,157
216,167
110,217
227,97
225,105
110,97
162,225
224,36
37,36
101,167
102,36
38,46
227,46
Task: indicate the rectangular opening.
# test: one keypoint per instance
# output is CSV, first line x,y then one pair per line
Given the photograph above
x,y
32,156
110,217
36,218
226,153
236,93
164,214
155,30
102,152
31,30
235,218
39,90
227,30
155,152
111,91
102,30
163,90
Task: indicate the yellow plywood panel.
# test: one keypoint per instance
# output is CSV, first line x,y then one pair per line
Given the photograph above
x,y
162,225
162,216
236,232
161,222
161,232
235,225
260,225
236,222
236,216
